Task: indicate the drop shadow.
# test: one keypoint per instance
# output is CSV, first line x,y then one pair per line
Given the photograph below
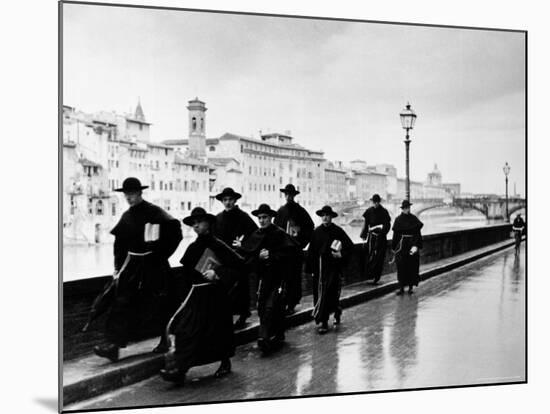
x,y
50,403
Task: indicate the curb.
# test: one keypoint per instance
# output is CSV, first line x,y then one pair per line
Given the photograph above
x,y
151,364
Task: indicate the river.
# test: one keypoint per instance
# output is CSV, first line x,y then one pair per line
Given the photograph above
x,y
85,261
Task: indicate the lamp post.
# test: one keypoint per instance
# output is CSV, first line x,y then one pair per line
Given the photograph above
x,y
506,170
408,117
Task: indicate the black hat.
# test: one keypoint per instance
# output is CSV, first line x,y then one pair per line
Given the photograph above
x,y
290,189
198,213
326,210
131,185
264,209
405,204
376,198
228,192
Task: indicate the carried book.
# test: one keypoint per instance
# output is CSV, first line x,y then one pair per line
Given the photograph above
x,y
336,245
151,232
207,261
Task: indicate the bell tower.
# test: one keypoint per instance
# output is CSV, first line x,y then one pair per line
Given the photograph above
x,y
197,128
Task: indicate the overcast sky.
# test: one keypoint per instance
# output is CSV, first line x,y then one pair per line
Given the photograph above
x,y
337,86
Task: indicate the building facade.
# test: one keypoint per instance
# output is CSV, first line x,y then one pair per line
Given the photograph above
x,y
100,151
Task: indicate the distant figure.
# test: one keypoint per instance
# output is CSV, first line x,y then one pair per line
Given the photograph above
x,y
375,229
297,223
145,237
233,226
328,251
518,226
203,325
268,251
406,244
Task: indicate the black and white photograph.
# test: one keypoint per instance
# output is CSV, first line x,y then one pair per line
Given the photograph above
x,y
263,206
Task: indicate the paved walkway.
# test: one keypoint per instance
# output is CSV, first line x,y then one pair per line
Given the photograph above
x,y
466,326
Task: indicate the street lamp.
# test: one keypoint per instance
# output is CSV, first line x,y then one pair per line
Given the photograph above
x,y
506,170
408,117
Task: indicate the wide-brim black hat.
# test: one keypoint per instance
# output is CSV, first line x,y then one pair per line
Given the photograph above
x,y
289,189
326,210
131,185
406,203
198,213
375,198
228,192
264,209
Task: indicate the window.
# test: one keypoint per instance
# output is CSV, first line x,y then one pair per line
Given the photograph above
x,y
182,205
99,208
189,205
113,209
160,185
171,187
194,123
212,148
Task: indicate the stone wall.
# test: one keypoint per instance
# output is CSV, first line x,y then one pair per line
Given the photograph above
x,y
79,295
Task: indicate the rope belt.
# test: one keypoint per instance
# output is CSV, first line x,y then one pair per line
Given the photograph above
x,y
399,246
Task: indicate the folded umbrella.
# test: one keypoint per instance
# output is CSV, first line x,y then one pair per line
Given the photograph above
x,y
102,302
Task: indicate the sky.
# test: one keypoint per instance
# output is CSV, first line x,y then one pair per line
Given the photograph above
x,y
337,86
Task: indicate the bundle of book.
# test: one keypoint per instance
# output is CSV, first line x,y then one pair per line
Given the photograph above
x,y
151,232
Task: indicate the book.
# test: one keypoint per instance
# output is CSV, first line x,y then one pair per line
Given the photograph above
x,y
151,232
336,245
207,261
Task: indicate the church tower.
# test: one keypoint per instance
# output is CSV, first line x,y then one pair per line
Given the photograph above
x,y
434,178
197,128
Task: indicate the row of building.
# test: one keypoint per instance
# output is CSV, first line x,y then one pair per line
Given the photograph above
x,y
101,149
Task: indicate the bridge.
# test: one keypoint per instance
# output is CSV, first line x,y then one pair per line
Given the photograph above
x,y
493,208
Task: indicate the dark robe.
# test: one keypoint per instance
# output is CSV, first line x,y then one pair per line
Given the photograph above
x,y
230,225
519,223
326,269
376,241
294,215
273,275
203,325
144,299
406,234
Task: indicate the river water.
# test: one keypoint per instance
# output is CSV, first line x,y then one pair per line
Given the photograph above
x,y
85,261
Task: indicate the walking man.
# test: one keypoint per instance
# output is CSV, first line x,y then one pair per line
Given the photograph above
x,y
233,226
375,229
297,223
145,237
328,252
203,327
267,252
406,244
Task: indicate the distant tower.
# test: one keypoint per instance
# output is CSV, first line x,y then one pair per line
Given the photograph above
x,y
197,128
139,112
434,178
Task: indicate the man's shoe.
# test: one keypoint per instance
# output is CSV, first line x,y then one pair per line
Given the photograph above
x,y
224,369
107,351
410,292
337,318
240,323
263,344
323,329
400,292
173,375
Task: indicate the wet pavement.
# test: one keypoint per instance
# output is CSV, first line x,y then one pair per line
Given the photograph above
x,y
464,327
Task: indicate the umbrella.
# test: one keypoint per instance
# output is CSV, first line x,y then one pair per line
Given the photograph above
x,y
102,302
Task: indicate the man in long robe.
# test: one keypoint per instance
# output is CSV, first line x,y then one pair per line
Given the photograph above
x,y
232,226
202,327
267,252
328,252
296,222
375,229
145,237
406,244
